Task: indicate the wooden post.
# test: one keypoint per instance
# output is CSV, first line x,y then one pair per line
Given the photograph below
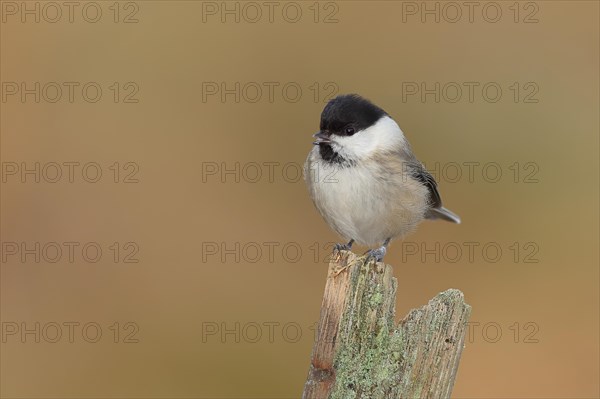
x,y
361,353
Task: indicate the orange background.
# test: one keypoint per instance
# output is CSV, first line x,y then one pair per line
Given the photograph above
x,y
176,291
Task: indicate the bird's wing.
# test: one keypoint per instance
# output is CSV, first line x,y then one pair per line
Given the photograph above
x,y
419,173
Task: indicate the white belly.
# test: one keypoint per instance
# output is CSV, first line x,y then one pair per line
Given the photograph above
x,y
366,203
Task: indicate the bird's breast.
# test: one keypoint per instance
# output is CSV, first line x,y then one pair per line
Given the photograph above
x,y
369,201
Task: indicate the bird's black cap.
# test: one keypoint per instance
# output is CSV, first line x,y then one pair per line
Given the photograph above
x,y
349,113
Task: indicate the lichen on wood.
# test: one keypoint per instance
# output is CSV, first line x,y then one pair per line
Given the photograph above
x,y
360,352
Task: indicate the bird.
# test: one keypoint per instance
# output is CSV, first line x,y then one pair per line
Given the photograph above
x,y
364,179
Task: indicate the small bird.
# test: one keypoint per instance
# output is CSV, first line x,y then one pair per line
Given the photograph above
x,y
365,180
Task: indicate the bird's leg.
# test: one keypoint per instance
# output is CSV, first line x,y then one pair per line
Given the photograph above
x,y
378,253
344,247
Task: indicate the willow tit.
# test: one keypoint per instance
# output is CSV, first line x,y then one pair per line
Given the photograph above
x,y
364,178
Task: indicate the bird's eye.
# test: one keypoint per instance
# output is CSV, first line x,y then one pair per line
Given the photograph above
x,y
350,131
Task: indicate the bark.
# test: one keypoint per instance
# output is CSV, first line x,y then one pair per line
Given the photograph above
x,y
360,352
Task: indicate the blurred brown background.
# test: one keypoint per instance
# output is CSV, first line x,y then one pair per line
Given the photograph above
x,y
226,289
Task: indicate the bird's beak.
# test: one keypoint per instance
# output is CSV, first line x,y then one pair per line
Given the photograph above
x,y
322,138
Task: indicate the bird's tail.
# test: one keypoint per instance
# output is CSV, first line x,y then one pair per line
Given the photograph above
x,y
444,214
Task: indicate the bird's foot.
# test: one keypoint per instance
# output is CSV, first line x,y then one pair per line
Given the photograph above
x,y
376,254
343,247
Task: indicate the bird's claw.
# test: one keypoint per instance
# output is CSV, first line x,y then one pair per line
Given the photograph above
x,y
376,254
338,248
341,247
337,251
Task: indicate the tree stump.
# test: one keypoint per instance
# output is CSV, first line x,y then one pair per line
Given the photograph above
x,y
360,352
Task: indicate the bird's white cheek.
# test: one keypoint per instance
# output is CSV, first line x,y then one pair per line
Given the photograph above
x,y
382,136
357,146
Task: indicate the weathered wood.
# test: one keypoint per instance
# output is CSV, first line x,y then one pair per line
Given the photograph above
x,y
360,352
